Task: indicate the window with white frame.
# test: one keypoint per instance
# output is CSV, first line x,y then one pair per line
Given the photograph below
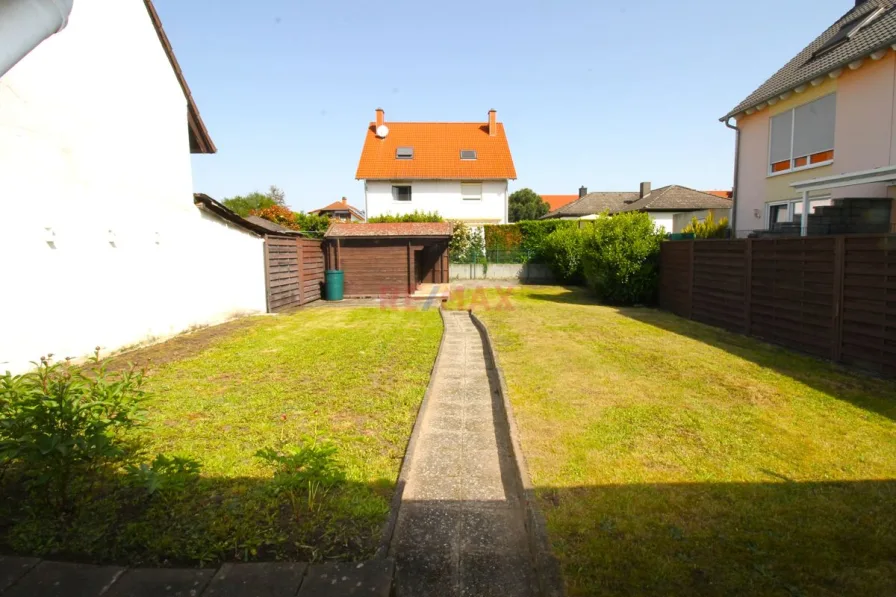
x,y
802,137
471,191
791,210
401,192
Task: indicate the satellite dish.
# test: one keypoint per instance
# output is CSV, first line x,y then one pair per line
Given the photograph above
x,y
381,131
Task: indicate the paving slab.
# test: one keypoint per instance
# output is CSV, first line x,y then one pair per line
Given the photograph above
x,y
343,579
62,579
12,568
460,528
263,579
161,582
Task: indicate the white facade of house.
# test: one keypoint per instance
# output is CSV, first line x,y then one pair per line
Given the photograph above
x,y
469,201
100,241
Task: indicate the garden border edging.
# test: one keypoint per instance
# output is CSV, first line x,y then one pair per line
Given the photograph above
x,y
547,568
389,526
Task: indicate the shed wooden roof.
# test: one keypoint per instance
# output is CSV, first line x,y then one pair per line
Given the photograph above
x,y
403,230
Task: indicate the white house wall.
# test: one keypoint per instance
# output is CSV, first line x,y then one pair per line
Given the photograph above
x,y
100,241
663,219
442,196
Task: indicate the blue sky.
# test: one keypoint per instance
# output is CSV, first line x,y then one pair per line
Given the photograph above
x,y
595,93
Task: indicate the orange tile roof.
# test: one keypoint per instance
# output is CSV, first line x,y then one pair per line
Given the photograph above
x,y
558,201
722,194
437,148
339,206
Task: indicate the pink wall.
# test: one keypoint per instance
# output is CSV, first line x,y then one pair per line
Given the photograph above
x,y
863,137
751,187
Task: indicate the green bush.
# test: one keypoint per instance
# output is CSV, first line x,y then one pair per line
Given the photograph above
x,y
707,228
417,216
562,251
621,258
526,237
57,422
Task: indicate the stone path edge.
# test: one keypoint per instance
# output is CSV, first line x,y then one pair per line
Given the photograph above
x,y
389,526
547,567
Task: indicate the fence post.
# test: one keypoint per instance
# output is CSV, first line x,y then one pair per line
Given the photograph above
x,y
301,273
690,309
748,286
267,273
837,314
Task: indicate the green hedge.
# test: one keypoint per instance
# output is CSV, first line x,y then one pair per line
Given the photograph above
x,y
527,237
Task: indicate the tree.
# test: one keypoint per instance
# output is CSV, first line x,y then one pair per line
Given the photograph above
x,y
526,204
243,205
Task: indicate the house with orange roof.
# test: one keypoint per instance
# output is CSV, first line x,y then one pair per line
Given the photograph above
x,y
555,202
340,210
459,170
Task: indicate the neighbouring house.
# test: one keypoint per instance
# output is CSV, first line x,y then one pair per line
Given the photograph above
x,y
458,169
401,259
340,210
671,207
102,244
555,202
816,151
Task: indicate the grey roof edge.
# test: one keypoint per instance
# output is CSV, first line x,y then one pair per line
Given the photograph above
x,y
804,56
204,202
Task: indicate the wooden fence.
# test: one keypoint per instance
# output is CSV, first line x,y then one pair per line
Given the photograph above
x,y
833,297
294,271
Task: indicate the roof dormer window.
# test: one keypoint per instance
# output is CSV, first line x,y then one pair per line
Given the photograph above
x,y
404,153
468,154
847,31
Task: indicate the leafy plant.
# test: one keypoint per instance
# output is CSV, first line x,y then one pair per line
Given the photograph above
x,y
244,205
526,204
417,216
297,466
621,258
163,473
562,251
56,421
302,222
460,240
708,228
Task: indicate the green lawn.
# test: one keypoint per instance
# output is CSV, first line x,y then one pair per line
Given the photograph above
x,y
353,377
672,458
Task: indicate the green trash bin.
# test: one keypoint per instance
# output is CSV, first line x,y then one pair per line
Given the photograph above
x,y
334,285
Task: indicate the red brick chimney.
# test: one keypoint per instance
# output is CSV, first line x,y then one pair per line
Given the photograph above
x,y
492,123
380,117
344,200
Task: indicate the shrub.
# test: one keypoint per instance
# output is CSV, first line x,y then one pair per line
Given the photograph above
x,y
562,251
164,473
417,216
621,258
707,228
57,421
302,222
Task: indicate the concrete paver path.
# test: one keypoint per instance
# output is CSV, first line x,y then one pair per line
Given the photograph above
x,y
460,528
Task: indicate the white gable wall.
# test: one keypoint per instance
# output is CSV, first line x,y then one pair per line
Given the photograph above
x,y
94,146
442,196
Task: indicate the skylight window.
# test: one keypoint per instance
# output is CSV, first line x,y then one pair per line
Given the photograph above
x,y
847,31
468,154
404,153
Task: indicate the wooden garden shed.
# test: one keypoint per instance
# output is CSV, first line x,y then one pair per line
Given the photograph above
x,y
388,259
